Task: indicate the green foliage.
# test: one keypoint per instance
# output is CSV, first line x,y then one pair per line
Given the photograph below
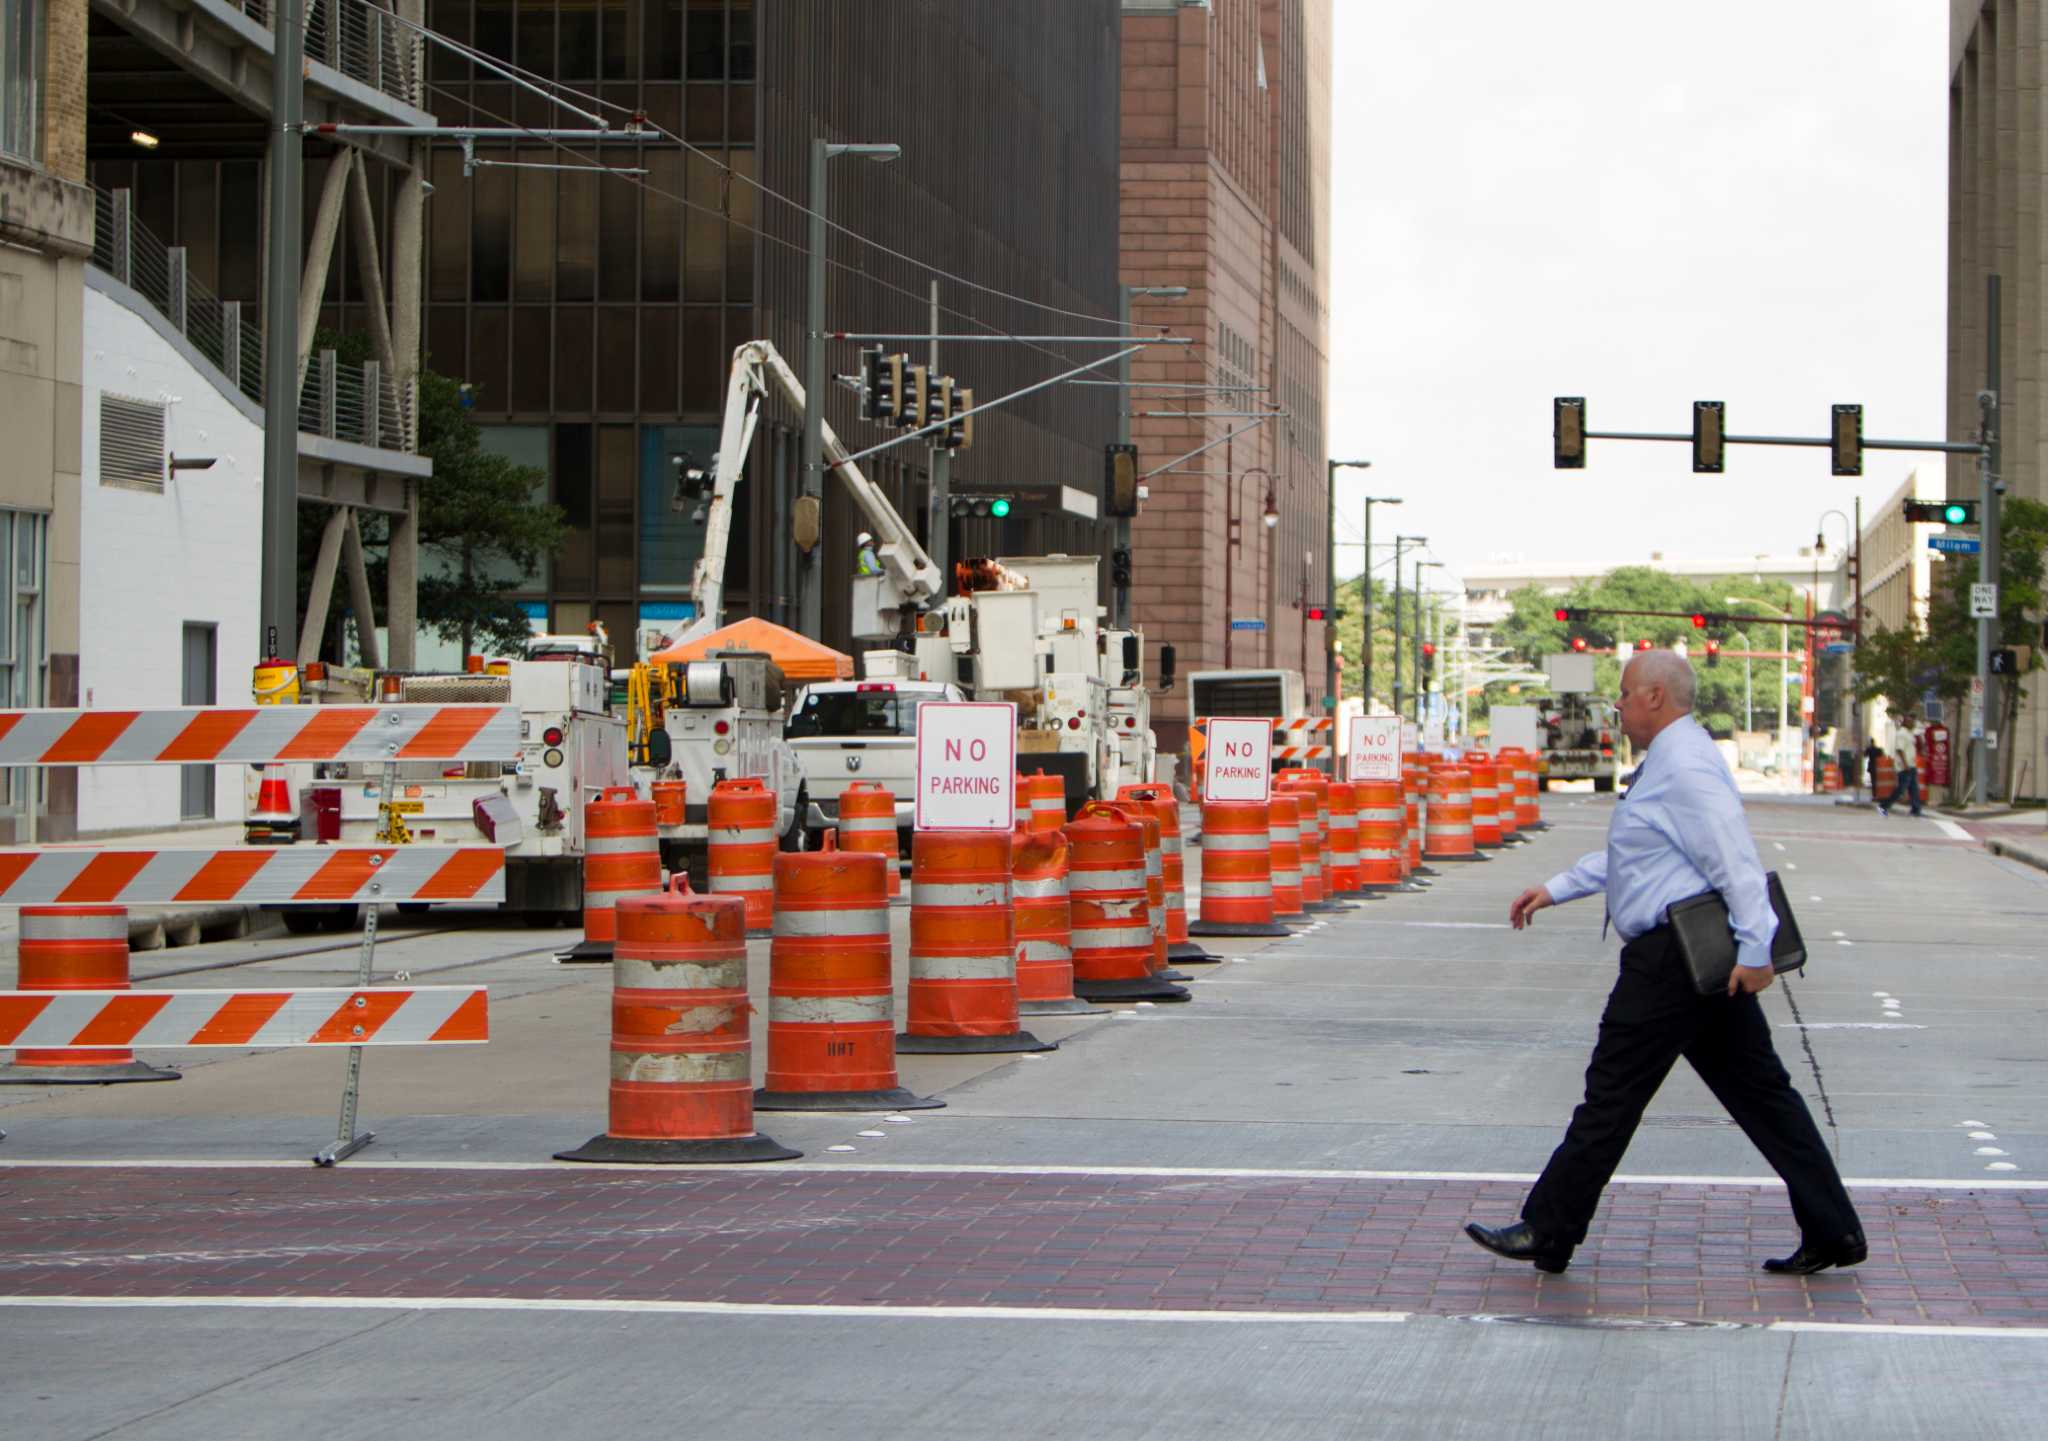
x,y
1351,635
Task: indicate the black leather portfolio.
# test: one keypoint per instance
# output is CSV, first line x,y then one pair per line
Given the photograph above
x,y
1699,924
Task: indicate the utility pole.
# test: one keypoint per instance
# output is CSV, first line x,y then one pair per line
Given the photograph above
x,y
939,525
278,610
1989,489
1856,631
1399,541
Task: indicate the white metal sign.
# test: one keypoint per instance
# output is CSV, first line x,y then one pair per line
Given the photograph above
x,y
1983,600
1977,708
1411,737
966,765
1375,748
1239,760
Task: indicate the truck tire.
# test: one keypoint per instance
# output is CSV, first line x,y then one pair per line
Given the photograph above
x,y
1543,783
1603,785
793,838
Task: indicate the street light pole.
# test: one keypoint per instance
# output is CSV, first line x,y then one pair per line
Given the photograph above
x,y
1330,578
1399,542
810,572
278,606
1420,616
1365,572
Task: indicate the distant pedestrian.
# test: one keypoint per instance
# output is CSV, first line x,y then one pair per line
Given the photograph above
x,y
1872,754
864,562
1909,781
1679,832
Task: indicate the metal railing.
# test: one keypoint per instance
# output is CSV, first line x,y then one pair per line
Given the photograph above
x,y
360,38
358,403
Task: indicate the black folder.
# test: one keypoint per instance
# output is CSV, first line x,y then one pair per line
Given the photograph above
x,y
1700,926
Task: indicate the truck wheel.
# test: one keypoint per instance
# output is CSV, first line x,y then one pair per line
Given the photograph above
x,y
1603,785
303,921
793,838
1543,783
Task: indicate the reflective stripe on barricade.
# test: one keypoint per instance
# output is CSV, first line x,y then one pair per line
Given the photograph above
x,y
1283,831
1112,920
118,1020
252,875
258,735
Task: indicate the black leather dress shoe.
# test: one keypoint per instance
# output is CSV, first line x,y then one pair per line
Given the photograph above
x,y
1520,1242
1809,1258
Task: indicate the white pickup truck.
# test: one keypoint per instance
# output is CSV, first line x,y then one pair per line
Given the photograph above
x,y
844,731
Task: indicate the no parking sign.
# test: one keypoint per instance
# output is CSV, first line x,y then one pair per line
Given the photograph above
x,y
1375,748
966,766
1239,760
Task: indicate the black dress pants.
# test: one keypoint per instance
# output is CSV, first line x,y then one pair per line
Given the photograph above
x,y
1653,1017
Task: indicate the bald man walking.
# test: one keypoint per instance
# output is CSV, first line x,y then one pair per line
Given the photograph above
x,y
1678,832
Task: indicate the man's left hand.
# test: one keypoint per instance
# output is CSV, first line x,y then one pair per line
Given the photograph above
x,y
1751,979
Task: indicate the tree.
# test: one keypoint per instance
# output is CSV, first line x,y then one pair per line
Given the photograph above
x,y
1351,636
482,529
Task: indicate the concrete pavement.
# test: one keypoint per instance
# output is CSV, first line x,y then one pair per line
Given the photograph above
x,y
1279,1164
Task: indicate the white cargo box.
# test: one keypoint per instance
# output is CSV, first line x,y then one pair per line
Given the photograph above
x,y
1569,674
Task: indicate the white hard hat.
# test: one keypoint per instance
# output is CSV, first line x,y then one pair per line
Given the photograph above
x,y
864,538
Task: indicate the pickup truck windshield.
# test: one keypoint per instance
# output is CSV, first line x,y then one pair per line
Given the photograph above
x,y
854,713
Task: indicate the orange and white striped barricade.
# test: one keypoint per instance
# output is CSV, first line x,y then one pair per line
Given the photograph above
x,y
621,857
1342,865
867,823
1478,766
1045,926
1048,801
1237,872
682,1082
1164,808
251,875
1322,747
259,735
740,852
1283,835
963,948
831,992
1112,919
1020,805
1155,884
68,949
111,1023
1448,833
1415,789
1380,839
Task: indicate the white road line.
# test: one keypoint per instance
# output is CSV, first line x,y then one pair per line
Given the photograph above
x,y
1849,1026
1950,829
708,1308
1878,1328
928,1168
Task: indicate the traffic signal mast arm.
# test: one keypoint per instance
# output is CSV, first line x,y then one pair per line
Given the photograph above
x,y
1701,619
1709,438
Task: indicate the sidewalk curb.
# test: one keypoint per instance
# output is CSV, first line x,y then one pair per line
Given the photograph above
x,y
2034,856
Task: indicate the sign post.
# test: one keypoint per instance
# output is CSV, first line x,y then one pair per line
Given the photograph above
x,y
1375,748
1239,760
966,766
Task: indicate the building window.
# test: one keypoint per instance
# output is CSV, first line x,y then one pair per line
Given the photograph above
x,y
131,443
23,673
21,78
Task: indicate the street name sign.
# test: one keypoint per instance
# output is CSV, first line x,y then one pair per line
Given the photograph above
x,y
1955,544
1375,748
1247,623
966,766
1239,759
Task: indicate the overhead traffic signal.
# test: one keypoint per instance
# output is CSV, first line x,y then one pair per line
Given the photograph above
x,y
1942,512
1709,430
1845,439
939,404
1569,613
1699,621
913,396
883,377
1568,432
1713,652
981,507
1428,658
1120,568
959,431
1120,480
1578,642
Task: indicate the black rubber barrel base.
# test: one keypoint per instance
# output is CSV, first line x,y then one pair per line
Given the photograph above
x,y
1193,954
1459,860
109,1075
585,952
908,1045
896,1098
1151,988
1073,1006
719,1152
1241,929
1170,974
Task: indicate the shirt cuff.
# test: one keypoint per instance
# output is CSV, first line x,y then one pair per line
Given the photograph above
x,y
1752,955
1559,889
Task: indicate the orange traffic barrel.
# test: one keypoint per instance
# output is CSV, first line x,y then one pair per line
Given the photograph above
x,y
1504,795
1283,834
867,823
75,948
1237,872
1020,805
621,858
1831,777
831,993
1448,832
671,802
963,947
682,1086
1886,782
1478,766
1311,799
1155,884
1528,812
1165,809
1341,867
1112,919
1380,838
1048,801
741,851
1414,782
1045,926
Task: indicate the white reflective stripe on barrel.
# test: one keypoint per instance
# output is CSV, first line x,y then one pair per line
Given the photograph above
x,y
1176,900
74,927
745,881
829,1010
962,968
1232,890
1285,833
668,1067
1380,815
1121,880
1287,878
1042,950
620,845
1240,841
735,836
631,973
1171,844
959,893
863,825
1052,888
856,922
1129,938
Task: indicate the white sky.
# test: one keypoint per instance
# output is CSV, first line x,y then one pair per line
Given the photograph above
x,y
1644,204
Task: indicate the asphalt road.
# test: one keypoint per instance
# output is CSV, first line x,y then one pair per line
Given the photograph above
x,y
1236,1216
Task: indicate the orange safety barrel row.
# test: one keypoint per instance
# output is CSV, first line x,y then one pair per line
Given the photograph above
x,y
1044,925
1111,910
1448,830
963,947
867,823
1414,786
1308,801
741,850
1283,833
75,948
681,1049
1380,833
1528,813
1237,871
1346,873
621,858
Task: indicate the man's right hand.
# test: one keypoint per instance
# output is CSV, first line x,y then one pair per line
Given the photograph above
x,y
1527,904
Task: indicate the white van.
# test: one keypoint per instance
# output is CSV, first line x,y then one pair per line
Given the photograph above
x,y
844,731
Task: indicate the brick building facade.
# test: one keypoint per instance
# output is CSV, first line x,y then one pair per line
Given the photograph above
x,y
1226,130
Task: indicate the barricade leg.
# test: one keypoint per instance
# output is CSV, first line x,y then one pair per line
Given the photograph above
x,y
76,948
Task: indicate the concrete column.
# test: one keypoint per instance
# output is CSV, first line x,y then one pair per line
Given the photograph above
x,y
319,254
402,614
369,264
359,589
321,596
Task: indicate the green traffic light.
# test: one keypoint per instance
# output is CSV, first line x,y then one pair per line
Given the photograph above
x,y
999,508
1955,514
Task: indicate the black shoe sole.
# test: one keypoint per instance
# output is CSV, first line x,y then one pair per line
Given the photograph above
x,y
1781,1268
1550,1264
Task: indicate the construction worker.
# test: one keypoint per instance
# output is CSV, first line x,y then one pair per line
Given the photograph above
x,y
865,562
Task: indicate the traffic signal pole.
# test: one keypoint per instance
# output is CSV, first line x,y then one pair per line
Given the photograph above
x,y
1989,490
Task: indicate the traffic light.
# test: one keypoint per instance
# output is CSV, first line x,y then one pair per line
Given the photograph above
x,y
1942,512
913,396
1319,612
1713,652
1709,427
1643,644
1569,613
981,507
883,375
959,433
1428,658
1568,432
1845,440
1578,642
1699,621
1120,480
939,404
1120,568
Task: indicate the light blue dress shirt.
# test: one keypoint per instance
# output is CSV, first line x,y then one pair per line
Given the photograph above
x,y
1679,831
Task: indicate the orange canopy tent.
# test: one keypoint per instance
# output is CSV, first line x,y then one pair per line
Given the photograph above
x,y
801,659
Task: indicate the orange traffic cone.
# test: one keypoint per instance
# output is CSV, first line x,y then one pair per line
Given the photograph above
x,y
275,821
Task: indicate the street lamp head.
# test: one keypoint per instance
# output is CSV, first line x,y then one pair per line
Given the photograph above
x,y
880,154
1272,514
1354,464
1159,292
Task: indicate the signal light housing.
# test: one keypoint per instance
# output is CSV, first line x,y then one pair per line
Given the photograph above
x,y
1644,644
1568,432
1120,480
1699,622
1709,436
1845,439
1578,642
1942,512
